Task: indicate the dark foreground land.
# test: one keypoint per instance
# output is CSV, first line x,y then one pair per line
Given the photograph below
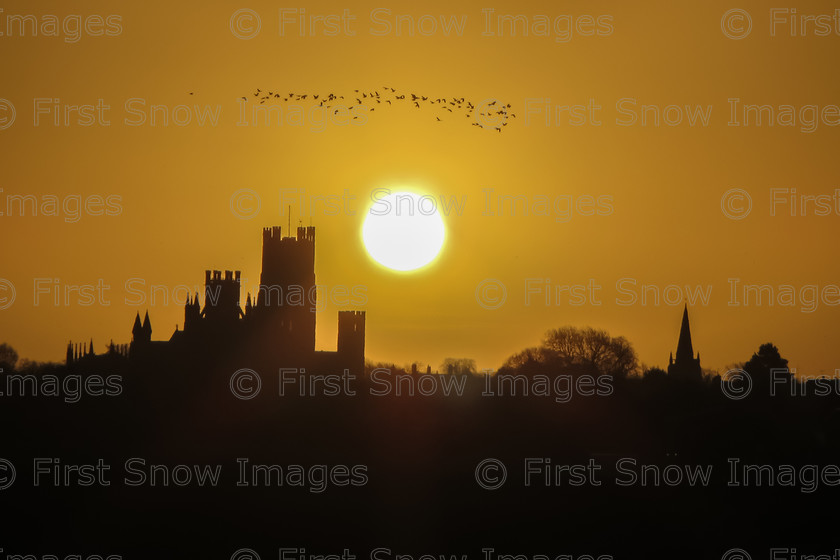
x,y
386,475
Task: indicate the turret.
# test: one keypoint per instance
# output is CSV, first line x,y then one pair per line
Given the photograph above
x,y
192,314
141,332
221,299
351,339
137,329
147,328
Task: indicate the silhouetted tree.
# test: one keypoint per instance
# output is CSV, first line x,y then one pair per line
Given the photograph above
x,y
576,351
593,349
709,374
8,357
393,368
528,359
766,368
459,366
655,373
767,358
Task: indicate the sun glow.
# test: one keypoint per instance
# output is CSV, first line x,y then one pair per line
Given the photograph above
x,y
403,230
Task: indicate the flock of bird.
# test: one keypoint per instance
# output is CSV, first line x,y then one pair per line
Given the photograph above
x,y
490,114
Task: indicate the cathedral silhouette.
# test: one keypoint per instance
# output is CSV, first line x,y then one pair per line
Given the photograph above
x,y
277,329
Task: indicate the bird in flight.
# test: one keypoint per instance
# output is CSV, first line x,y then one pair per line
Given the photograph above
x,y
495,119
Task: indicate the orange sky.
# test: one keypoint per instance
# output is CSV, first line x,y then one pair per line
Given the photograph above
x,y
659,187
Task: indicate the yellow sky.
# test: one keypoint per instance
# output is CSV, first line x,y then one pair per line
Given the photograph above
x,y
659,187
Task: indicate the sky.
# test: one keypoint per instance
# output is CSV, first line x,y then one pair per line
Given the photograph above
x,y
637,174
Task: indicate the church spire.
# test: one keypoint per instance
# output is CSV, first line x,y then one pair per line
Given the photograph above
x,y
685,351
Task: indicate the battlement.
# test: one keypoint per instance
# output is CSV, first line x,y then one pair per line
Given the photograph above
x,y
274,234
351,327
306,234
352,320
270,233
215,277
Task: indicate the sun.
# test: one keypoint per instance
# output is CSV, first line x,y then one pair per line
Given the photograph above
x,y
403,230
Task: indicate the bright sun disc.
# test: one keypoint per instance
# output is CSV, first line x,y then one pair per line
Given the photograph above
x,y
403,230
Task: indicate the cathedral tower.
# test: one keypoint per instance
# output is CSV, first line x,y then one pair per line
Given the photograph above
x,y
286,303
351,340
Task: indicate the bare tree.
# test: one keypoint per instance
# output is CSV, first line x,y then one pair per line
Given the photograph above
x,y
458,366
8,357
593,349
